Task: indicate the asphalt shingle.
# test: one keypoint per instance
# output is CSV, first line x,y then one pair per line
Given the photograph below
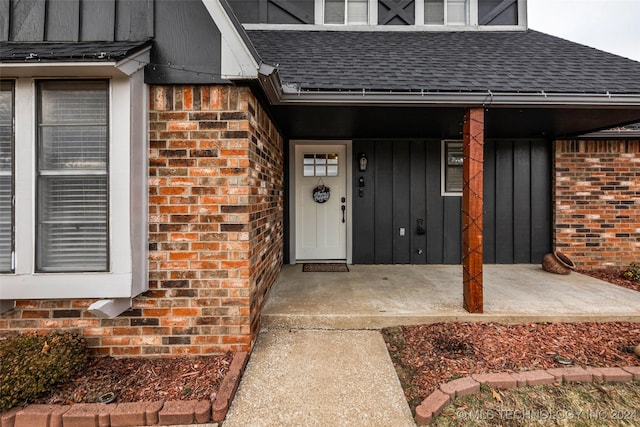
x,y
68,51
516,62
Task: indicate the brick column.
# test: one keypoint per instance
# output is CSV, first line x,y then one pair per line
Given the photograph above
x,y
472,194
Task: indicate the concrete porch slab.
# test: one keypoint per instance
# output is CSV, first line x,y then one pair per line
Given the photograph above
x,y
376,296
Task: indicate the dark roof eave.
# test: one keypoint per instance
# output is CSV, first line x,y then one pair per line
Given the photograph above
x,y
286,94
70,52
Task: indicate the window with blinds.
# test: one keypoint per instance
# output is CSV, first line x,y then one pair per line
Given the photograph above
x,y
346,11
6,176
72,176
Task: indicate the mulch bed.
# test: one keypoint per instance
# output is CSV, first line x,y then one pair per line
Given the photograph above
x,y
612,276
144,379
426,356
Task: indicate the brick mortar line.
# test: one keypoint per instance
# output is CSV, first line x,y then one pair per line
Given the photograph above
x,y
433,405
136,413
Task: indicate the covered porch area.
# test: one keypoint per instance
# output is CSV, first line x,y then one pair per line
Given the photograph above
x,y
377,296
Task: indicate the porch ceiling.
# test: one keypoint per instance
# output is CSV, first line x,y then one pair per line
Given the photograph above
x,y
353,122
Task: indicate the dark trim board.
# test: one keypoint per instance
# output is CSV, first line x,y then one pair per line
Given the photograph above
x,y
402,186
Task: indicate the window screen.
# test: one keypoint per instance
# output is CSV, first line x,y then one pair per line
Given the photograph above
x,y
456,12
72,182
334,11
6,175
357,11
434,12
346,11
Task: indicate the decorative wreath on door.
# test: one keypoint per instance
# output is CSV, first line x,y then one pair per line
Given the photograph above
x,y
321,193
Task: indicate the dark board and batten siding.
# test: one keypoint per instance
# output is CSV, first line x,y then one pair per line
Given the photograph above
x,y
402,186
274,11
184,34
396,12
76,20
517,204
199,52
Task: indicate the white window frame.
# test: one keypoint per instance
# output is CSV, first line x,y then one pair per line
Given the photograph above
x,y
443,169
319,15
127,275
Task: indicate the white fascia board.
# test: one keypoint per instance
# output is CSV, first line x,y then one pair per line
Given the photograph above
x,y
61,69
385,28
237,62
291,96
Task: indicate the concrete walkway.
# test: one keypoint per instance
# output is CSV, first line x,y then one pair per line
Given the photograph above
x,y
319,378
317,362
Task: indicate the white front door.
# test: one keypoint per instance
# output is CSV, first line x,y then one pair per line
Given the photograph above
x,y
321,227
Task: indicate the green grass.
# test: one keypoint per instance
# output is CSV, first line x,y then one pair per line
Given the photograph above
x,y
582,405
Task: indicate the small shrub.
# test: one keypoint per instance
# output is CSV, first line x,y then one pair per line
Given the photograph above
x,y
632,273
32,364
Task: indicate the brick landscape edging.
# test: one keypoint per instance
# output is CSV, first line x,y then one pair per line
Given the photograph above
x,y
171,412
435,403
228,388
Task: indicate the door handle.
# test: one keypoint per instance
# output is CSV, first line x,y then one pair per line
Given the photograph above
x,y
344,210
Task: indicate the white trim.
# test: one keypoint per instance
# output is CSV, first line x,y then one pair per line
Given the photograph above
x,y
472,10
25,119
383,28
523,20
237,61
128,197
318,9
373,12
419,12
443,166
348,144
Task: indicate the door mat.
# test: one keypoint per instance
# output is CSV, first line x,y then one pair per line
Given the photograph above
x,y
331,267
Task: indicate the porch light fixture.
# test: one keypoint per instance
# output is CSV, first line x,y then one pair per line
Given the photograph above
x,y
363,162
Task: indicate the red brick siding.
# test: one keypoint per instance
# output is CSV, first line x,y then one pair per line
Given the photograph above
x,y
597,202
215,232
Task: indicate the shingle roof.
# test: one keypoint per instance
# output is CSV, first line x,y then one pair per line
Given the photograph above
x,y
517,62
68,51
